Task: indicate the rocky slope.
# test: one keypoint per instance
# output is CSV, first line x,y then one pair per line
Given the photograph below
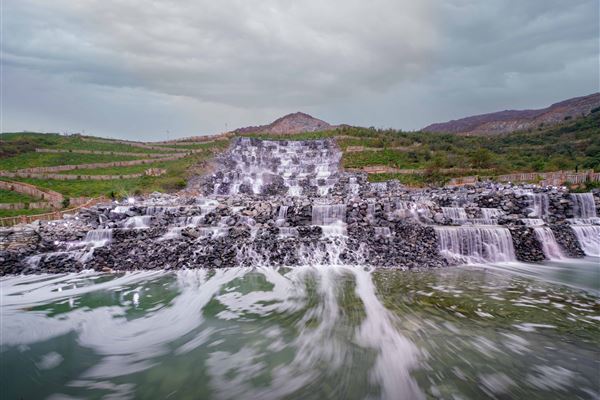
x,y
292,123
514,120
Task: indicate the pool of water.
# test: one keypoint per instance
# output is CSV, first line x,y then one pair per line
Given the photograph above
x,y
501,331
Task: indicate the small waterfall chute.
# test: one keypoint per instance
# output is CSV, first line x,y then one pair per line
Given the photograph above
x,y
589,238
138,222
583,205
550,246
475,245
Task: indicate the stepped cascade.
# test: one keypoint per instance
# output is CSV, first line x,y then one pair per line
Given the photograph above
x,y
288,203
294,168
586,224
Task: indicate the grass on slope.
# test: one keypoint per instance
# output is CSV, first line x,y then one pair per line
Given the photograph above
x,y
15,213
22,142
219,144
174,179
30,160
8,196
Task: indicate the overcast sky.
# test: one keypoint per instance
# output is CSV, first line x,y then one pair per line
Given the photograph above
x,y
138,68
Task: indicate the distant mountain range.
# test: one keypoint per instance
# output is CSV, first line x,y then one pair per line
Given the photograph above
x,y
484,124
515,120
292,123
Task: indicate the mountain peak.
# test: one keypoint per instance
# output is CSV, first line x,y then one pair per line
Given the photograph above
x,y
297,122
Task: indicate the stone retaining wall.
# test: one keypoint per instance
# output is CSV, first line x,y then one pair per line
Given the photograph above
x,y
33,191
22,206
71,177
544,178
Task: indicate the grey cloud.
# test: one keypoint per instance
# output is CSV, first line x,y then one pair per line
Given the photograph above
x,y
193,66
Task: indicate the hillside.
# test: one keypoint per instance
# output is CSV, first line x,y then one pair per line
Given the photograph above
x,y
516,120
79,167
289,124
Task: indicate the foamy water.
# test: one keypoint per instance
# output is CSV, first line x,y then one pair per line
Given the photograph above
x,y
305,332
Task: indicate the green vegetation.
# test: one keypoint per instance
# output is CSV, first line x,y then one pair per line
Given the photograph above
x,y
219,144
22,142
14,213
17,151
8,196
133,169
174,179
570,145
32,159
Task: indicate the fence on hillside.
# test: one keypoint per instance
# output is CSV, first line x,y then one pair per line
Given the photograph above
x,y
556,178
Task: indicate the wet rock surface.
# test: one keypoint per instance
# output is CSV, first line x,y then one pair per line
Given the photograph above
x,y
266,206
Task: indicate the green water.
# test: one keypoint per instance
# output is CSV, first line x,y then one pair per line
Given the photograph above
x,y
504,332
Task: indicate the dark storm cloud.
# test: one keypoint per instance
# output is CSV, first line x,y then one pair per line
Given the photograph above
x,y
139,68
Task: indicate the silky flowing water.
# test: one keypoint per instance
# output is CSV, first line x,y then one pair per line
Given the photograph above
x,y
501,331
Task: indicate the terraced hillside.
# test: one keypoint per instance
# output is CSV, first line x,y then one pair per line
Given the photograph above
x,y
79,167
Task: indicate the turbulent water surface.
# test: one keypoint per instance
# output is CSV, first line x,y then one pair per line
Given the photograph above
x,y
503,331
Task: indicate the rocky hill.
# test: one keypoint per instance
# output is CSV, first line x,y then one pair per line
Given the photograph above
x,y
292,123
514,120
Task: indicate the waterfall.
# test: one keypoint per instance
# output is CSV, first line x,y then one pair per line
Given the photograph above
x,y
583,205
138,222
325,214
586,224
474,245
538,204
589,238
99,236
281,215
457,215
331,218
491,214
546,237
533,221
276,167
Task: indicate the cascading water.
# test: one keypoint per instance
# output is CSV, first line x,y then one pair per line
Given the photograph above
x,y
589,239
457,215
138,222
538,204
99,236
586,224
474,245
583,205
550,246
331,218
278,167
281,215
